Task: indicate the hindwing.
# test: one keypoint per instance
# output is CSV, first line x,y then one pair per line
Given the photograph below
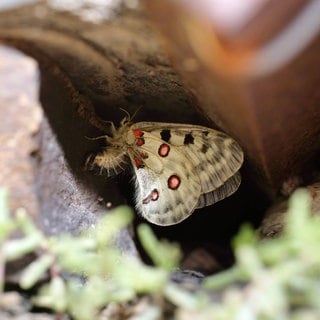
x,y
167,190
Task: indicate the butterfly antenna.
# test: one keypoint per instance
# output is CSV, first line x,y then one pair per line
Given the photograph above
x,y
130,118
96,138
135,113
127,113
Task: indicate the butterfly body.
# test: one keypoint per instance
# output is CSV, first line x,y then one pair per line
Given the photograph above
x,y
177,167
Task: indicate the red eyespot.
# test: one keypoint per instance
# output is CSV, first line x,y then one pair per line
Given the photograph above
x,y
138,133
143,155
174,182
140,142
138,162
153,196
164,150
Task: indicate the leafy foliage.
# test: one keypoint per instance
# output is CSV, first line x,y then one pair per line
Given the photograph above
x,y
271,279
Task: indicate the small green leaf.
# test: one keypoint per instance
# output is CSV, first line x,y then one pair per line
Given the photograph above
x,y
33,272
133,274
86,300
181,297
25,222
13,249
164,254
109,225
246,235
7,224
53,295
224,278
298,215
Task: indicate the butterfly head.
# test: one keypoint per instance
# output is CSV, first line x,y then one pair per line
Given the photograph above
x,y
117,135
113,158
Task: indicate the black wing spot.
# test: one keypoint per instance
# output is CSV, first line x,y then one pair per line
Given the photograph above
x,y
168,208
200,167
165,135
188,139
204,148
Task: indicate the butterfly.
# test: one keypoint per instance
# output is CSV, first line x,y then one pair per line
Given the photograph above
x,y
178,167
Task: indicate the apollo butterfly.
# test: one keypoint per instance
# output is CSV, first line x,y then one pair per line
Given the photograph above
x,y
178,167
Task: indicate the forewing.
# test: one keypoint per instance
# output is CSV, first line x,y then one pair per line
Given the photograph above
x,y
215,157
168,190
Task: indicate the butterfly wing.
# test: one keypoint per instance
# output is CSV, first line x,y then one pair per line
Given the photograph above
x,y
215,157
168,191
182,167
224,191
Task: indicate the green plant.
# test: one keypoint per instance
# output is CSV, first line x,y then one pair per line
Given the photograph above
x,y
271,279
109,275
